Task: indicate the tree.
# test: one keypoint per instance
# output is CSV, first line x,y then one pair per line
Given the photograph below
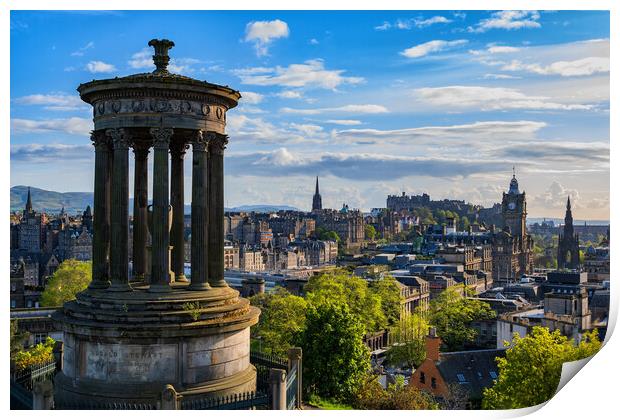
x,y
530,372
398,396
452,314
283,317
69,279
409,341
353,291
335,358
388,290
370,232
465,223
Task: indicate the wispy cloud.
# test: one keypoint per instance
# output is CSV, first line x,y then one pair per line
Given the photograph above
x,y
431,47
310,74
508,19
345,109
75,125
412,23
100,67
80,51
488,99
582,67
263,33
49,153
251,98
57,101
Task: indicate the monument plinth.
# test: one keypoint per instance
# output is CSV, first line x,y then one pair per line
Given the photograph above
x,y
126,338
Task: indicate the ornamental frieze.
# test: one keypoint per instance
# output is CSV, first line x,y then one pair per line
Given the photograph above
x,y
153,105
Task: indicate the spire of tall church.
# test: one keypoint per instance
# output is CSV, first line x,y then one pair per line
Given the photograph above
x,y
317,203
29,203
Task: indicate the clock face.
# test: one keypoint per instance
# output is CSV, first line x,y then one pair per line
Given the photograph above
x,y
512,205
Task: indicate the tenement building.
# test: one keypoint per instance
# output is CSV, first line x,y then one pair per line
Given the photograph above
x,y
155,336
512,247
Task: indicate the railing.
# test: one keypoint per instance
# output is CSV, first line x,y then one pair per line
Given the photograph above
x,y
291,389
23,382
264,363
242,401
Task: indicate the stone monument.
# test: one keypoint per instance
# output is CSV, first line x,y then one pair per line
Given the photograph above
x,y
126,339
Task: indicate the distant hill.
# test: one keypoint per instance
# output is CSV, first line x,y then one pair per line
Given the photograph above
x,y
50,201
76,202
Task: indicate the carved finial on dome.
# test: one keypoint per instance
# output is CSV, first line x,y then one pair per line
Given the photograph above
x,y
161,57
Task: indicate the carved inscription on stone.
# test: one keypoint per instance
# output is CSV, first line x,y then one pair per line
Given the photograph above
x,y
130,363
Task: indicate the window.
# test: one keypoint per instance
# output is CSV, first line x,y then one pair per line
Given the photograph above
x,y
433,383
493,374
461,378
422,378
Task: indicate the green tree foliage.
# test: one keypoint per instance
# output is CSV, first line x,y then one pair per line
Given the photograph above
x,y
388,290
530,372
335,358
37,355
370,232
465,224
398,396
353,292
326,235
408,336
452,314
283,317
70,278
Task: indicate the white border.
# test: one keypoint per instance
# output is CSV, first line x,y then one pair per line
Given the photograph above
x,y
590,394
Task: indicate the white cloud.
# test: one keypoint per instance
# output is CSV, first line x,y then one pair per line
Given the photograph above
x,y
431,46
344,122
57,101
555,196
75,125
582,67
262,33
499,76
307,129
142,59
251,97
348,109
501,49
100,67
421,23
311,74
508,19
489,98
410,23
80,51
384,26
51,153
290,94
437,135
313,41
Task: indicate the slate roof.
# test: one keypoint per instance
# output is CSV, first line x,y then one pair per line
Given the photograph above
x,y
472,370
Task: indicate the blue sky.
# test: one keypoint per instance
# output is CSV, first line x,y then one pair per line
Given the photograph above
x,y
374,103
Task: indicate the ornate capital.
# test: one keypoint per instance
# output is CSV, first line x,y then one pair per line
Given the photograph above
x,y
120,138
100,141
199,141
217,142
141,150
161,137
177,150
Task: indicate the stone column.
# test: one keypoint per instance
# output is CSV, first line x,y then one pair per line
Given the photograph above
x,y
101,212
216,145
277,381
140,203
160,229
119,246
200,213
177,200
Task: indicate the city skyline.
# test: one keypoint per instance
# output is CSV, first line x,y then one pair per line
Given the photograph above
x,y
438,102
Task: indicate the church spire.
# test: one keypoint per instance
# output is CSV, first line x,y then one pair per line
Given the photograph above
x,y
568,204
29,203
316,189
317,203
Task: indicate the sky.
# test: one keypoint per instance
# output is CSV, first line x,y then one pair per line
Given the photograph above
x,y
373,103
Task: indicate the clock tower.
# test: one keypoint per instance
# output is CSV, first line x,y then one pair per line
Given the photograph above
x,y
514,211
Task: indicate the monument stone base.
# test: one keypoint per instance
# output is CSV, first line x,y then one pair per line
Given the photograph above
x,y
126,347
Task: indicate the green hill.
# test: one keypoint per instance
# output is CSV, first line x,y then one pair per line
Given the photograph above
x,y
50,201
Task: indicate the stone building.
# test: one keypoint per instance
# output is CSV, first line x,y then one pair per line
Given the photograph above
x,y
348,224
31,229
568,242
512,247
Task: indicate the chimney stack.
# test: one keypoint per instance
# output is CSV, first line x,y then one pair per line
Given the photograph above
x,y
432,344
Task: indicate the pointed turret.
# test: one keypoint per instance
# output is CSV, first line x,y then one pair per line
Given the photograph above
x,y
316,189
